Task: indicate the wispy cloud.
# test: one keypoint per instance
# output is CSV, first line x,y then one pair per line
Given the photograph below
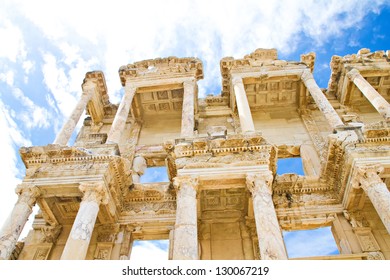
x,y
148,251
305,243
11,138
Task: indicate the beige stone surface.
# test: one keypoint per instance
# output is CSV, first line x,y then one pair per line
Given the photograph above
x,y
224,199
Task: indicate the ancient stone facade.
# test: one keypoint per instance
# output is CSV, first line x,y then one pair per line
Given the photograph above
x,y
224,199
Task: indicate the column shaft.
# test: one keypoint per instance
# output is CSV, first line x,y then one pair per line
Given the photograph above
x,y
271,242
377,100
126,245
185,246
188,118
244,111
376,190
319,98
13,226
78,241
119,123
68,128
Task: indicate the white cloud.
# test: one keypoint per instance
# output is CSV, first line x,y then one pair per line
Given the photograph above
x,y
149,251
12,46
305,243
34,115
124,32
11,138
8,77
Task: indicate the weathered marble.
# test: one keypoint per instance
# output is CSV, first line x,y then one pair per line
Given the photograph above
x,y
13,226
139,167
188,119
119,123
244,111
319,98
377,191
186,232
78,241
268,230
377,100
89,89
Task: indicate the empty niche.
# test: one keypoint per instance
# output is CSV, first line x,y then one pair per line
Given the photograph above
x,y
155,175
310,243
150,250
290,165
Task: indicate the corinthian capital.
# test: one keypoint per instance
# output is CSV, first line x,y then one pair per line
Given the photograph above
x,y
94,191
185,182
27,193
306,75
353,74
259,182
368,175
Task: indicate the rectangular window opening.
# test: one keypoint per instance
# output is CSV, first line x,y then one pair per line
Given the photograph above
x,y
155,175
290,165
149,250
310,243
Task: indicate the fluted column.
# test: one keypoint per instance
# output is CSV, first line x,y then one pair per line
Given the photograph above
x,y
188,119
319,98
377,100
244,111
119,123
271,242
78,241
369,180
64,135
13,226
185,245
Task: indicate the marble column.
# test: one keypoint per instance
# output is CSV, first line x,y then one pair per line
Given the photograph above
x,y
64,135
125,250
270,237
185,245
321,101
377,100
119,123
244,111
80,235
369,180
188,118
13,226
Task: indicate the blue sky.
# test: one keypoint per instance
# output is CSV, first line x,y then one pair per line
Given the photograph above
x,y
47,46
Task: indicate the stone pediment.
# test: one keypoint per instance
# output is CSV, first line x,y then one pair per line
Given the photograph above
x,y
167,67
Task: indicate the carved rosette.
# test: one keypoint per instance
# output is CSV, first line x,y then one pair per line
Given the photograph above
x,y
94,192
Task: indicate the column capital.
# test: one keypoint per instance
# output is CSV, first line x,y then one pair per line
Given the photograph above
x,y
368,175
27,194
237,80
88,85
131,85
306,75
50,233
256,182
186,182
189,82
95,192
352,74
